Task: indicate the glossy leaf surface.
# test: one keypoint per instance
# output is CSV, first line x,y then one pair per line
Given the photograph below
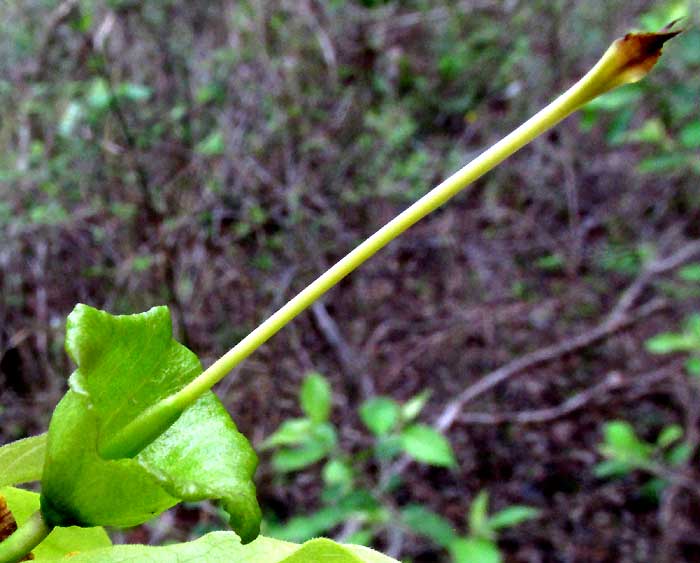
x,y
201,455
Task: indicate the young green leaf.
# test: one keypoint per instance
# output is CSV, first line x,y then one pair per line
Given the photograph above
x,y
290,433
413,407
427,523
692,327
197,456
669,342
203,456
316,397
692,366
81,488
679,454
337,472
478,516
225,547
380,415
427,445
670,434
127,364
22,461
303,528
621,443
61,541
611,468
690,273
317,444
512,516
475,550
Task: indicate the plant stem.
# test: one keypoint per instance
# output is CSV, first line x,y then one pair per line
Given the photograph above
x,y
605,75
24,539
627,60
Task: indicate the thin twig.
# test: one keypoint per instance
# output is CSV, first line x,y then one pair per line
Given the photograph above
x,y
600,391
619,318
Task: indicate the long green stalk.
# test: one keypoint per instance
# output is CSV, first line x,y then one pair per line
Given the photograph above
x,y
627,60
612,70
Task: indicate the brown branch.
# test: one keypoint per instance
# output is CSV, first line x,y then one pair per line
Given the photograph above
x,y
620,317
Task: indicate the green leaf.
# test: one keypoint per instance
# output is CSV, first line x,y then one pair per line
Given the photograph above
x,y
621,443
316,397
224,547
302,528
99,97
668,342
133,92
692,366
380,415
319,442
81,488
679,454
653,489
475,550
512,516
551,262
662,163
413,407
427,523
670,434
127,364
201,455
213,145
611,468
690,135
652,131
61,541
690,273
337,472
478,516
22,461
427,445
290,433
692,327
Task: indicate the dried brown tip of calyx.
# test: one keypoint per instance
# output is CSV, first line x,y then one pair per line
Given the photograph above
x,y
640,51
8,525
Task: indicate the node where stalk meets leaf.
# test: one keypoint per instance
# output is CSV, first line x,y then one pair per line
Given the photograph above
x,y
128,364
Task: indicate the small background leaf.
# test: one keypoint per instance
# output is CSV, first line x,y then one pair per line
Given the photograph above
x,y
427,523
22,461
479,517
512,516
425,444
380,415
316,397
475,550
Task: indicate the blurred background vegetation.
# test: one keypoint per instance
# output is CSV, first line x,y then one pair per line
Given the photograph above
x,y
216,156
